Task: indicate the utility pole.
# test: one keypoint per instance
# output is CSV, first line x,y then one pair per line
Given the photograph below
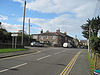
x,y
29,31
29,26
23,25
89,39
15,42
12,41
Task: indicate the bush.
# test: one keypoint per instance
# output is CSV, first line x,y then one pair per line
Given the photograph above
x,y
95,44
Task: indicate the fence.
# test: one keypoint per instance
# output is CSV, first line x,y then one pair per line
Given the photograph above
x,y
9,45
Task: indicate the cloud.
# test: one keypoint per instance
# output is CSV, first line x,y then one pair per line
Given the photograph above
x,y
65,22
87,10
80,9
58,6
11,28
83,9
3,17
61,6
21,1
16,28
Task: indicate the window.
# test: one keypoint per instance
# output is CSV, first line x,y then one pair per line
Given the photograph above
x,y
41,37
53,37
35,37
47,37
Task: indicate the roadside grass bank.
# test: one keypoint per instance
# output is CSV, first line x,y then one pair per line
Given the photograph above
x,y
6,50
94,63
91,63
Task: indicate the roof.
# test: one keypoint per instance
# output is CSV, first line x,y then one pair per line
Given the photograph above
x,y
69,36
49,33
83,40
54,34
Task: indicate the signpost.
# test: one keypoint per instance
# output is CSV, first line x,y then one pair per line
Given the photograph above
x,y
14,35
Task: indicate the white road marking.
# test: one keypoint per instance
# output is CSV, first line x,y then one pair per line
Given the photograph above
x,y
4,70
13,67
64,51
44,57
59,52
18,66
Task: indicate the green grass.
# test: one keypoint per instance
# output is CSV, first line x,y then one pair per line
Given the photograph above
x,y
11,50
91,63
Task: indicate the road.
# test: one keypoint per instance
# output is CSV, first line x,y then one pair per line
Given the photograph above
x,y
47,61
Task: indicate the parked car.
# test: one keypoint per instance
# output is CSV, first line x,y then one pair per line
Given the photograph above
x,y
33,43
39,44
67,45
36,44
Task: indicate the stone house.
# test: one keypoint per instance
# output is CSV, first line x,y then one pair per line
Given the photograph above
x,y
52,38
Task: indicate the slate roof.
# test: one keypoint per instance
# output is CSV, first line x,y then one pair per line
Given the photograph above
x,y
54,34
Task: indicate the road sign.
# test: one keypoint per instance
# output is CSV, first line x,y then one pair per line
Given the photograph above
x,y
14,34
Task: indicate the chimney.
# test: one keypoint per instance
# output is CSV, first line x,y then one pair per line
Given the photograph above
x,y
47,31
65,33
41,30
58,31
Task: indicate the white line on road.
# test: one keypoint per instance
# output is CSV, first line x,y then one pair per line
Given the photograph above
x,y
64,51
18,66
43,57
4,70
59,52
13,67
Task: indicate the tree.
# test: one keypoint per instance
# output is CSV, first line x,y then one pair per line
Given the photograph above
x,y
4,36
93,24
85,32
95,44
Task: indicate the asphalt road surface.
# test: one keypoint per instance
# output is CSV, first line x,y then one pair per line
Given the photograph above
x,y
47,61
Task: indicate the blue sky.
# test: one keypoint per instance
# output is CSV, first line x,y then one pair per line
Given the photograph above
x,y
68,15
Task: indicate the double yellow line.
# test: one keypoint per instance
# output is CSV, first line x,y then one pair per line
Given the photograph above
x,y
70,65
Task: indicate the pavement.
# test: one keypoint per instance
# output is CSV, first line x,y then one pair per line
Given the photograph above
x,y
11,54
81,66
48,61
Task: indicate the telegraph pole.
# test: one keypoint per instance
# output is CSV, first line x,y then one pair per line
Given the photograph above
x,y
89,39
29,26
23,25
29,31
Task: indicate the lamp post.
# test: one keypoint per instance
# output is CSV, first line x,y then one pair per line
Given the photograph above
x,y
23,25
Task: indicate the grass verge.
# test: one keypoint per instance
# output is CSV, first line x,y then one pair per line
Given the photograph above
x,y
91,63
11,50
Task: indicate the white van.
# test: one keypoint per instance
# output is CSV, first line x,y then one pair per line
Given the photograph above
x,y
67,45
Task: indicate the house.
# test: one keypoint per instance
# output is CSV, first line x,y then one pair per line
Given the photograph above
x,y
83,42
53,38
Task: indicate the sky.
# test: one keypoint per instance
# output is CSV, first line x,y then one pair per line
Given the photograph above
x,y
66,15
